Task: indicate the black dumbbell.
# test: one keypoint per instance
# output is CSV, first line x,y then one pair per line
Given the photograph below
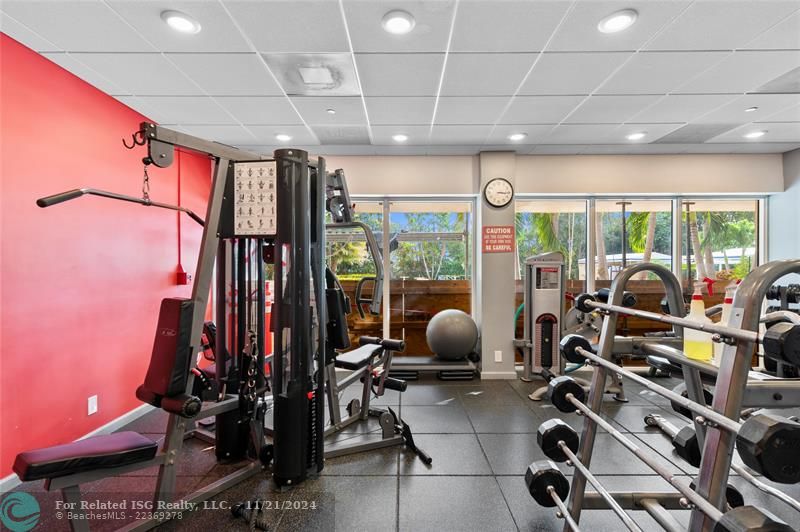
x,y
559,388
750,519
782,343
569,348
542,475
553,431
684,440
628,298
769,444
688,447
682,410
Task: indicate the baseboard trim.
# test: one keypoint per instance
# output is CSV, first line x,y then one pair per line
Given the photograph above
x,y
12,481
498,375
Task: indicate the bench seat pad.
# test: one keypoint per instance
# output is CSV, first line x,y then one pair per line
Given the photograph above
x,y
357,358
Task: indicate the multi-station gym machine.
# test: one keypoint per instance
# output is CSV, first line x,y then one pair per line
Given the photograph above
x,y
261,210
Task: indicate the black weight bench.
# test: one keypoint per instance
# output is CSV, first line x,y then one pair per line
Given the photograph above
x,y
99,452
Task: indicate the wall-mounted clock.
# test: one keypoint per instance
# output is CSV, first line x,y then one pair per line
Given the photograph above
x,y
498,192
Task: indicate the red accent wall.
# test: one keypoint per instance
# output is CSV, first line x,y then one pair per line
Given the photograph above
x,y
80,282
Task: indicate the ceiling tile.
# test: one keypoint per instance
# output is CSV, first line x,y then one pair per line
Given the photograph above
x,y
141,74
184,110
260,109
610,109
25,36
743,71
452,150
633,149
300,135
78,26
288,70
557,149
681,107
485,74
776,132
79,69
417,135
605,133
342,134
314,109
299,26
783,36
232,135
762,147
400,110
791,114
540,109
140,107
734,111
568,73
399,74
429,34
721,25
658,72
652,132
228,74
534,132
346,150
512,26
470,109
218,34
400,150
579,31
472,134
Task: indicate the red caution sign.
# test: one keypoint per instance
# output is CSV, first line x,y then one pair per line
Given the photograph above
x,y
498,239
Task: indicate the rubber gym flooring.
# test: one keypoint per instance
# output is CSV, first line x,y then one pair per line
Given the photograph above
x,y
481,436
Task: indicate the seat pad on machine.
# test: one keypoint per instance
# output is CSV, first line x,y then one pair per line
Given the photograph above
x,y
357,358
110,450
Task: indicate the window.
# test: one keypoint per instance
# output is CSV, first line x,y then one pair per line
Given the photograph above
x,y
645,235
722,238
350,258
431,241
552,225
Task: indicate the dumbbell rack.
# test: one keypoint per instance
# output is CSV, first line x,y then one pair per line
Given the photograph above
x,y
716,427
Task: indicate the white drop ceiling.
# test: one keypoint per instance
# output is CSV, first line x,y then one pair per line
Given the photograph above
x,y
471,72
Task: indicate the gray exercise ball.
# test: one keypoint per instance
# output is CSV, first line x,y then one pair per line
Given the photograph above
x,y
452,334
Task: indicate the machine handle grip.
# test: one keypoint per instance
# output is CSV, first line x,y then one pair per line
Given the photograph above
x,y
387,343
55,199
628,298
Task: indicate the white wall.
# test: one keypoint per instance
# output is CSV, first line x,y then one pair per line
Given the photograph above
x,y
574,174
784,221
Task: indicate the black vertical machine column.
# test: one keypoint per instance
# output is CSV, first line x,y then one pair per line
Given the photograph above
x,y
298,317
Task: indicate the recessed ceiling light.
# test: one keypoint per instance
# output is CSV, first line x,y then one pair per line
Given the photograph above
x,y
398,22
639,135
751,109
618,21
399,137
330,111
180,22
517,136
755,134
283,137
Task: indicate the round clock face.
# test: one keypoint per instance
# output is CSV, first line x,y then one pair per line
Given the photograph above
x,y
498,192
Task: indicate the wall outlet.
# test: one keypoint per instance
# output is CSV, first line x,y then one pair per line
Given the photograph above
x,y
498,356
92,405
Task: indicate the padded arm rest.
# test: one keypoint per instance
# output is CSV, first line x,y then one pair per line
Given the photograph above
x,y
99,452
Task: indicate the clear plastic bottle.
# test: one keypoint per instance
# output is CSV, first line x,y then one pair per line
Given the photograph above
x,y
697,344
727,306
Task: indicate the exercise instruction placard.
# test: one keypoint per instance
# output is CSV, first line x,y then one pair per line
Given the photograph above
x,y
255,198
